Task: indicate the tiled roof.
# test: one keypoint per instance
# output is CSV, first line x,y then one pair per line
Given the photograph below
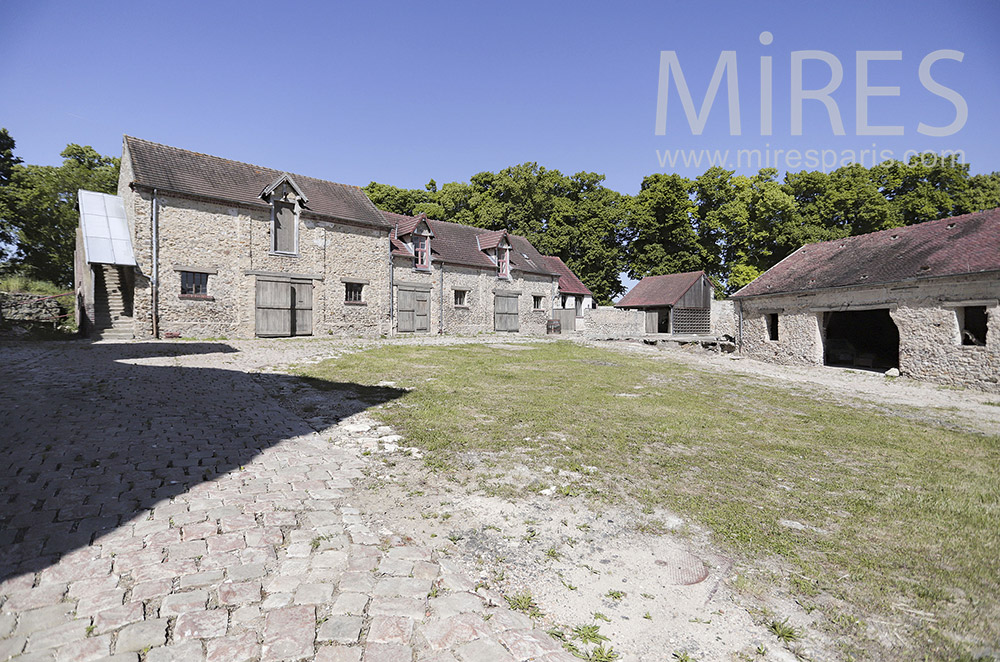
x,y
456,244
492,239
947,247
181,171
656,291
568,282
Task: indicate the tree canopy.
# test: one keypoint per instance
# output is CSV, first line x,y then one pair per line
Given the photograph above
x,y
39,209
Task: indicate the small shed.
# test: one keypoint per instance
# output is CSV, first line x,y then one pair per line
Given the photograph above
x,y
675,303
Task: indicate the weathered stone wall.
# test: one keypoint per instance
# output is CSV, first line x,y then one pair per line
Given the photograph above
x,y
611,322
924,313
723,319
480,284
233,245
16,306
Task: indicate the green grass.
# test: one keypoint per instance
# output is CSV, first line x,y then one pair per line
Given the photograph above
x,y
903,519
23,284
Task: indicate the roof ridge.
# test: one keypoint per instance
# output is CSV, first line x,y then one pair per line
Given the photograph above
x,y
244,163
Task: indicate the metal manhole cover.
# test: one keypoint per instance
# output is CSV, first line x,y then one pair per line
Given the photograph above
x,y
683,569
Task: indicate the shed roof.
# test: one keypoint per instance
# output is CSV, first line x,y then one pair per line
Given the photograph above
x,y
659,291
568,281
954,246
457,244
192,173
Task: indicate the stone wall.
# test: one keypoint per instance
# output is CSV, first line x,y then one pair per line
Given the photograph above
x,y
232,244
476,316
924,312
611,322
723,319
15,306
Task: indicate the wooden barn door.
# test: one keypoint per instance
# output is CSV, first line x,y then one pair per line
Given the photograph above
x,y
283,307
505,313
652,321
413,310
302,305
274,308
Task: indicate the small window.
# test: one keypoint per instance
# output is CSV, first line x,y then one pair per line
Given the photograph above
x,y
283,228
421,252
537,302
503,263
972,322
563,304
460,298
353,292
193,283
772,326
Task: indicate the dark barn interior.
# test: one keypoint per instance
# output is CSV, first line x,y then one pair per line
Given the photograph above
x,y
861,338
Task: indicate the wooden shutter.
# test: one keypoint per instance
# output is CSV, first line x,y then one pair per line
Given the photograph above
x,y
274,308
284,227
406,311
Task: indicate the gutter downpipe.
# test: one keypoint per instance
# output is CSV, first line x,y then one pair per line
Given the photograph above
x,y
156,268
441,304
392,307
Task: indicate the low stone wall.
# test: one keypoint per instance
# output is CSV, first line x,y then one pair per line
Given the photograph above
x,y
28,307
723,319
611,322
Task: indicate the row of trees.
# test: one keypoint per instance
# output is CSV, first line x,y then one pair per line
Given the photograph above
x,y
38,214
733,226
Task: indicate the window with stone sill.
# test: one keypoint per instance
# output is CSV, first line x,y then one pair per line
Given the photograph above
x,y
537,302
461,298
353,292
421,252
194,284
503,263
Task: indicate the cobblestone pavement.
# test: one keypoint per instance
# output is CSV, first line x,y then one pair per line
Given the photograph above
x,y
158,502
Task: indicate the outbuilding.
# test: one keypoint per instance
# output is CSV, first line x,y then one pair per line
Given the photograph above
x,y
922,299
675,303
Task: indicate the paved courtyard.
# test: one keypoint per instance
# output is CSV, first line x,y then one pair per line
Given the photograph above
x,y
159,502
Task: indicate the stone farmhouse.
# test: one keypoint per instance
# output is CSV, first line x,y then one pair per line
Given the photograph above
x,y
210,247
924,299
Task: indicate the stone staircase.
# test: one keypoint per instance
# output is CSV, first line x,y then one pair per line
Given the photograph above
x,y
112,317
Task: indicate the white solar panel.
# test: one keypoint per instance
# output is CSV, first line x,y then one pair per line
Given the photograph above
x,y
106,238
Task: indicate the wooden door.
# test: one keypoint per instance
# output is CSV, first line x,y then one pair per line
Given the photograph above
x,y
413,310
422,313
274,308
505,316
566,317
652,321
302,304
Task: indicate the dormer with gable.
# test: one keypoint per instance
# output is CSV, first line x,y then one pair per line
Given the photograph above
x,y
496,245
287,201
416,236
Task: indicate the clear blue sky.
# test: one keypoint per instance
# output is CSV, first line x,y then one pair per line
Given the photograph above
x,y
402,92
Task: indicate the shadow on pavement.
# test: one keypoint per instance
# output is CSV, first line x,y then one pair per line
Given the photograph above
x,y
91,437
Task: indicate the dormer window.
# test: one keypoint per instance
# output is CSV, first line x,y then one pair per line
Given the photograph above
x,y
421,252
503,262
286,200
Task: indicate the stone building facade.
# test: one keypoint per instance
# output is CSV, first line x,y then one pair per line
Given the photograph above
x,y
932,311
228,249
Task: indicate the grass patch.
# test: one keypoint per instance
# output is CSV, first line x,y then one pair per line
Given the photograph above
x,y
880,514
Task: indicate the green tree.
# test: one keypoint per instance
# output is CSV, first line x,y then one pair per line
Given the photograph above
x,y
7,164
659,228
43,213
926,188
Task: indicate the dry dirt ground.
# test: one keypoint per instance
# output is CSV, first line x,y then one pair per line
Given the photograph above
x,y
655,595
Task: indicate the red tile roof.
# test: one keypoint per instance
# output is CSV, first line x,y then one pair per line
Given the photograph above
x,y
948,247
457,244
659,291
492,239
568,282
192,173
